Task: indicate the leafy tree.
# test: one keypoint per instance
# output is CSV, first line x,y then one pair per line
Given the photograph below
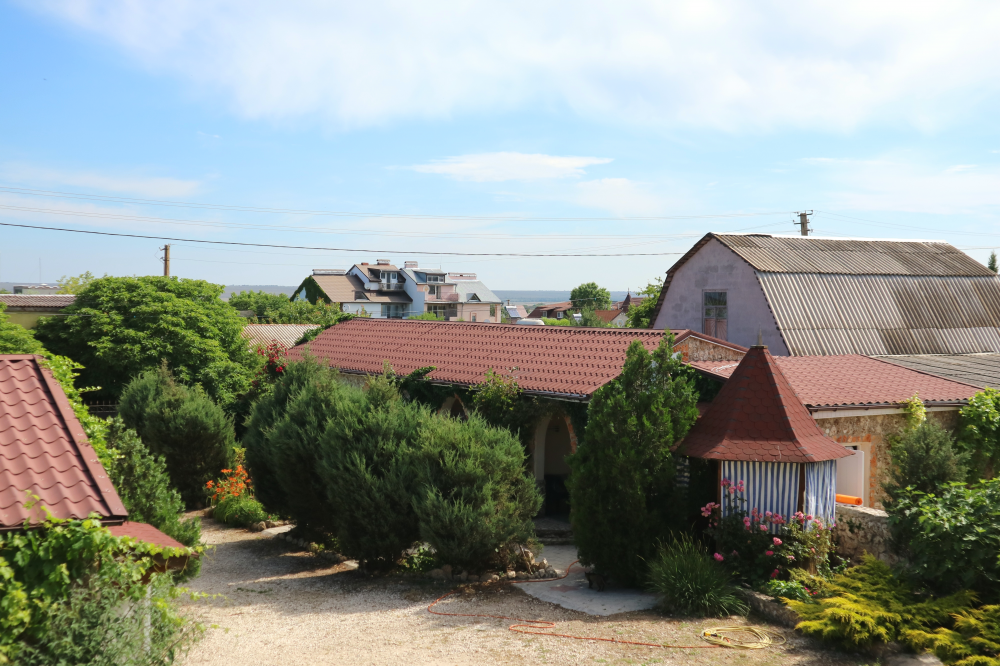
x,y
641,315
278,309
622,494
121,327
427,316
979,428
143,485
501,403
992,263
925,459
182,424
590,319
75,284
589,295
16,339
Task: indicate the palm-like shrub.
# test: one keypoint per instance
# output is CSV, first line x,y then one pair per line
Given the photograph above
x,y
691,582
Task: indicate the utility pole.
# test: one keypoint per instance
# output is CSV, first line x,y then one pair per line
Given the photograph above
x,y
803,223
166,260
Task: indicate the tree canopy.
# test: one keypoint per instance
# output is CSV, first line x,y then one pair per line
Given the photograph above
x,y
120,327
278,309
74,284
16,339
591,296
641,316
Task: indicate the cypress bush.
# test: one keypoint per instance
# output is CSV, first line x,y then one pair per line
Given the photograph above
x,y
143,485
477,501
367,469
622,495
925,458
182,424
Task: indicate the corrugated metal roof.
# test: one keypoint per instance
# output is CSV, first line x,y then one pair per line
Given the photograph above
x,y
467,288
40,301
286,334
880,315
980,370
804,254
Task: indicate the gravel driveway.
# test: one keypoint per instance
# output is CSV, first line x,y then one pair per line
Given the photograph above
x,y
279,607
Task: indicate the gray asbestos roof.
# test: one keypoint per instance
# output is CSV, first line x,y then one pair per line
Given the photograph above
x,y
980,370
466,288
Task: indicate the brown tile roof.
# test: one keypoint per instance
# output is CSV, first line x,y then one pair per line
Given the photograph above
x,y
569,361
144,532
757,417
607,315
350,289
265,334
37,301
44,452
550,307
840,381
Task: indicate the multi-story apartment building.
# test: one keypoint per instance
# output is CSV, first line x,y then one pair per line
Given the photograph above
x,y
385,291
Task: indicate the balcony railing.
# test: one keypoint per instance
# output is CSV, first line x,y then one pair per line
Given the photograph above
x,y
390,286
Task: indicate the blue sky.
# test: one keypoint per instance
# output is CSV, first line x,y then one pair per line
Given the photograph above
x,y
548,128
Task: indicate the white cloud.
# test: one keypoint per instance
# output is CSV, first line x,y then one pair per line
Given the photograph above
x,y
904,184
153,187
493,167
713,63
619,196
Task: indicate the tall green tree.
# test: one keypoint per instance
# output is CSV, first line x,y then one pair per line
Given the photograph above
x,y
278,309
182,424
589,295
74,284
925,458
120,327
992,263
16,339
641,315
622,494
979,433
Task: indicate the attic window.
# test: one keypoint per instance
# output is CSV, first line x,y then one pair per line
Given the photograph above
x,y
716,319
473,297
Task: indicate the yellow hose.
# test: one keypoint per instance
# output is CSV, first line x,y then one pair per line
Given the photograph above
x,y
747,638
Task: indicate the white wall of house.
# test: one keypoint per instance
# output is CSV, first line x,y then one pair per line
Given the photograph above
x,y
717,268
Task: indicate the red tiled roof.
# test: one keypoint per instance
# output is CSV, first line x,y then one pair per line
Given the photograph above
x,y
144,532
607,315
57,301
757,417
837,381
566,360
551,307
44,452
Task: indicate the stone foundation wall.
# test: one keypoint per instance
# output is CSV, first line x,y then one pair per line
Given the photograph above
x,y
862,530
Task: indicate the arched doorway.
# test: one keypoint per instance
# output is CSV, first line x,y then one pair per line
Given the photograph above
x,y
554,440
455,408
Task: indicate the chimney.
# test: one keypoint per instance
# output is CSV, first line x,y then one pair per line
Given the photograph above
x,y
381,262
364,263
410,264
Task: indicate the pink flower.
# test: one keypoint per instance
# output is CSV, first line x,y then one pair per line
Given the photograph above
x,y
740,486
791,558
746,521
718,558
732,490
726,483
763,528
735,554
809,517
819,524
774,574
777,541
767,513
769,553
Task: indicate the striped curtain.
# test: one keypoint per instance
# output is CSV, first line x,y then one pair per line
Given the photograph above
x,y
770,487
821,490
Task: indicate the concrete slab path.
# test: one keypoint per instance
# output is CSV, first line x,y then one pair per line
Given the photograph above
x,y
574,593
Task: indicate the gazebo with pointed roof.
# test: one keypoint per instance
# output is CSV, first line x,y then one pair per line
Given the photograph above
x,y
762,434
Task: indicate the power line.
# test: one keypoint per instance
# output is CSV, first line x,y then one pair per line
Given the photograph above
x,y
336,249
332,213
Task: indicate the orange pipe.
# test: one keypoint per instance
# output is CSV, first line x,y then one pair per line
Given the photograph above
x,y
849,499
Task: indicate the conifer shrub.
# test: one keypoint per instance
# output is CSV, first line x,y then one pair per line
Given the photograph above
x,y
869,605
925,458
476,502
690,581
974,640
367,467
143,485
622,493
182,424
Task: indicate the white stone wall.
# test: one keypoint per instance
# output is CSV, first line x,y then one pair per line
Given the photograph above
x,y
863,530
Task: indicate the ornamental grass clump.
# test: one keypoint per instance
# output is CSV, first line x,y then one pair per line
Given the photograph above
x,y
692,582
